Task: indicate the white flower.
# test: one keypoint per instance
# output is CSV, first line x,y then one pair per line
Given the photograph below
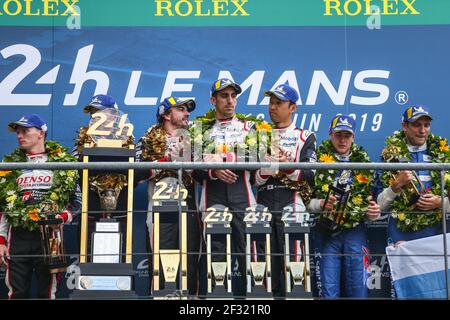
x,y
320,176
10,205
3,180
10,192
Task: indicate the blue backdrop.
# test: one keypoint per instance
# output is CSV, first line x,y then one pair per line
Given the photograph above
x,y
55,71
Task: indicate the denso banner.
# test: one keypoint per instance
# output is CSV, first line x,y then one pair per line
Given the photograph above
x,y
368,58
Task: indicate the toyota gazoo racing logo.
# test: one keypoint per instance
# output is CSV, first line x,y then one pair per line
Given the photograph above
x,y
26,196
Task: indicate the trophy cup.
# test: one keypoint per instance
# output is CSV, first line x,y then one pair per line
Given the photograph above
x,y
258,230
218,225
106,275
169,206
52,242
330,222
106,241
415,188
297,271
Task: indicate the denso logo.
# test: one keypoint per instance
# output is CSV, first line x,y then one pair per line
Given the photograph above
x,y
34,179
369,82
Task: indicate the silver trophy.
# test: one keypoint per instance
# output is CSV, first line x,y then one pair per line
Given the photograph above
x,y
108,187
108,199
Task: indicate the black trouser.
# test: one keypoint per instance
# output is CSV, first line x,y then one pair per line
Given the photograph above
x,y
235,197
25,250
275,200
169,239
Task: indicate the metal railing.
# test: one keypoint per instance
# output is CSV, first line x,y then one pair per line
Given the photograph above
x,y
180,166
106,166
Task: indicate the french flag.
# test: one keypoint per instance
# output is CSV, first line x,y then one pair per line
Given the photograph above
x,y
417,268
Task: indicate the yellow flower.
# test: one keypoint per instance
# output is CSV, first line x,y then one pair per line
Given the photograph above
x,y
4,173
264,126
251,142
54,196
34,214
362,178
357,200
447,178
443,146
401,216
325,188
326,158
71,173
11,198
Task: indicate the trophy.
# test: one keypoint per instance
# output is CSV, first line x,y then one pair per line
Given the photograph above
x,y
418,187
110,128
330,221
106,241
413,190
169,206
218,226
52,242
108,187
109,139
296,267
258,230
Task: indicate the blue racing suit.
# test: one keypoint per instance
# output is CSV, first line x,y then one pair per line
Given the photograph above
x,y
341,263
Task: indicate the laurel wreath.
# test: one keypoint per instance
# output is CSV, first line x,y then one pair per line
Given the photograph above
x,y
16,211
360,192
154,147
396,148
256,140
